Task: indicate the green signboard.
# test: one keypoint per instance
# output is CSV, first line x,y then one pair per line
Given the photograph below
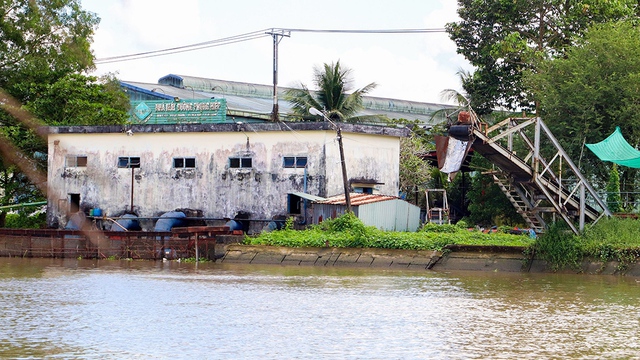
x,y
180,111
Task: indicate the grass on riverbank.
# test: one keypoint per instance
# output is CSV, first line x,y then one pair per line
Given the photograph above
x,y
610,239
349,231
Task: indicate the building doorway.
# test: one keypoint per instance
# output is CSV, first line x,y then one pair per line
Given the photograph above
x,y
74,203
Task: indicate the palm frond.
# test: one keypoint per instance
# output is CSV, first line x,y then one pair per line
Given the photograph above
x,y
454,96
333,83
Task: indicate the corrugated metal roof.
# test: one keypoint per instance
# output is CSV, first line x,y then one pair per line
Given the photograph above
x,y
257,98
308,196
357,199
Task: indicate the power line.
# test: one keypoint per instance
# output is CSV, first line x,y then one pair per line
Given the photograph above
x,y
251,36
185,48
388,31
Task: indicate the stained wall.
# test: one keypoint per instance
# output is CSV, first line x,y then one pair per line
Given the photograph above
x,y
212,187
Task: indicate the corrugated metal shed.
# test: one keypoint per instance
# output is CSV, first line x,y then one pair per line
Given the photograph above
x,y
382,211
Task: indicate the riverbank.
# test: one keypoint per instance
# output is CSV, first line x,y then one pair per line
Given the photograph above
x,y
218,245
470,258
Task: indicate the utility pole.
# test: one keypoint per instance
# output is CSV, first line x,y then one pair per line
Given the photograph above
x,y
277,35
345,182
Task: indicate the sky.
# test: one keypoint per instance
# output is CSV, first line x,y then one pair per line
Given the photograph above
x,y
413,67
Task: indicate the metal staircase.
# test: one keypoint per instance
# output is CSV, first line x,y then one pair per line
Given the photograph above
x,y
519,198
539,179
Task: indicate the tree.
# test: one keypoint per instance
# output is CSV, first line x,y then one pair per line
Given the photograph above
x,y
459,98
42,40
78,99
503,38
414,172
613,190
585,95
488,205
333,83
44,49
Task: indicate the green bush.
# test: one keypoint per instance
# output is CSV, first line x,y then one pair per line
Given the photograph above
x,y
462,224
445,228
560,247
24,220
349,231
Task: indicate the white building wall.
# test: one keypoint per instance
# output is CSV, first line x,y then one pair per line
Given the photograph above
x,y
212,186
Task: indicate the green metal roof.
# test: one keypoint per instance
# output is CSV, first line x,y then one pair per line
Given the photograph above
x,y
258,99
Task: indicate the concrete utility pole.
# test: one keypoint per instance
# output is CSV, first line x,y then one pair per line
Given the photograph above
x,y
345,182
277,35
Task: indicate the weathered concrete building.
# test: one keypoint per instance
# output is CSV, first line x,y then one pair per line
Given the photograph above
x,y
219,169
209,145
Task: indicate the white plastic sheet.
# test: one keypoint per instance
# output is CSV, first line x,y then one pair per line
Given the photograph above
x,y
456,152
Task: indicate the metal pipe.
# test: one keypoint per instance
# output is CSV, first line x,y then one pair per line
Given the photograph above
x,y
304,201
132,178
9,207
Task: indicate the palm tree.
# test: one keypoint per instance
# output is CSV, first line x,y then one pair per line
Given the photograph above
x,y
333,83
459,98
464,100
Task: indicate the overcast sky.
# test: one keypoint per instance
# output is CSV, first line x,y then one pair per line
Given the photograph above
x,y
405,66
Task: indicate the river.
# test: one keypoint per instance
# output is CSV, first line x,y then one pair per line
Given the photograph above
x,y
105,309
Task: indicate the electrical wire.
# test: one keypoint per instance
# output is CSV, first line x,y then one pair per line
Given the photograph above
x,y
251,36
185,48
388,31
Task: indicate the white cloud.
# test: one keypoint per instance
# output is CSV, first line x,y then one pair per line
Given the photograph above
x,y
411,66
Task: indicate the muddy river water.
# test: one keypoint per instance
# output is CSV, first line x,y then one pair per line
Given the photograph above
x,y
54,308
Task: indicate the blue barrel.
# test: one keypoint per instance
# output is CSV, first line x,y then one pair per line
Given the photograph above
x,y
127,222
97,212
169,220
234,225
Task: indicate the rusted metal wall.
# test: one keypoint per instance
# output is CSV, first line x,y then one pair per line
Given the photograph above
x,y
107,244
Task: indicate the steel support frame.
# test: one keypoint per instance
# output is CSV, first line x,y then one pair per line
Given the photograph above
x,y
542,173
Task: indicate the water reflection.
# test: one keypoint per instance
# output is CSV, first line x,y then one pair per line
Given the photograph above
x,y
141,309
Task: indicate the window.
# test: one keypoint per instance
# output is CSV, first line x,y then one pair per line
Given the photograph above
x,y
75,161
240,162
128,162
363,190
184,163
295,162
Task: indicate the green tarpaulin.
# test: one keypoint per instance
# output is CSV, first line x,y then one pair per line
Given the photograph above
x,y
617,150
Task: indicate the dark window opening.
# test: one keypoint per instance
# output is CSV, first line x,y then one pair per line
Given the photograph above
x,y
128,162
245,162
180,163
295,162
363,190
76,161
289,162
